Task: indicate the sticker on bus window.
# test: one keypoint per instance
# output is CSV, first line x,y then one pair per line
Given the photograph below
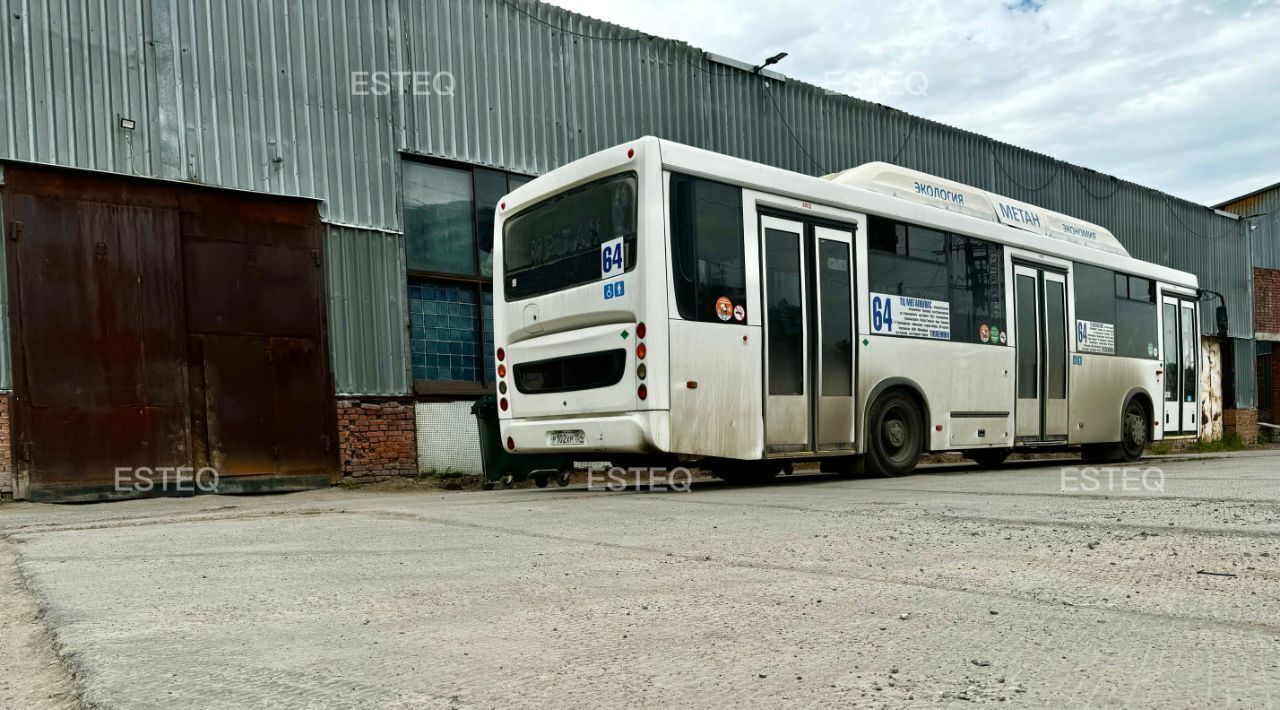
x,y
984,333
997,336
739,313
912,317
1095,337
724,308
611,258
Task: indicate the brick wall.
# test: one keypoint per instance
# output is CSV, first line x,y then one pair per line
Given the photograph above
x,y
6,450
1266,300
1243,422
376,438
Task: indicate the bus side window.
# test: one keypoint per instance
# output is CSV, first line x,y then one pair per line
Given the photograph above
x,y
707,248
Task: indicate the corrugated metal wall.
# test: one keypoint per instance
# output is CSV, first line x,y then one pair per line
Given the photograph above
x,y
368,311
258,96
1263,209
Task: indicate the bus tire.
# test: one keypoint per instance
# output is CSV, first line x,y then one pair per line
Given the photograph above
x,y
895,435
1133,431
989,458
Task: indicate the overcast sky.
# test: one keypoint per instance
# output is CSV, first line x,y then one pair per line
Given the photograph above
x,y
1180,96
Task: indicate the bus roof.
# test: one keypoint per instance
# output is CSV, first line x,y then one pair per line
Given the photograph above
x,y
882,189
915,186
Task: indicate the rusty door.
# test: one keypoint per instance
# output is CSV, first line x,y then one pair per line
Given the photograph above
x,y
99,372
256,324
159,326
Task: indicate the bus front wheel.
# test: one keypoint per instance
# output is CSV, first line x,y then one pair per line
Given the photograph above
x,y
895,435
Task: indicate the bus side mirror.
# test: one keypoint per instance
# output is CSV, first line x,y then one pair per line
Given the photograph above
x,y
1221,316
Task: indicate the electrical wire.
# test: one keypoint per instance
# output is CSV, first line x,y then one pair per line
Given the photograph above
x,y
911,130
769,92
1057,168
1169,204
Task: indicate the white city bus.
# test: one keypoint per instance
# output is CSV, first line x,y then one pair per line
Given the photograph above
x,y
657,300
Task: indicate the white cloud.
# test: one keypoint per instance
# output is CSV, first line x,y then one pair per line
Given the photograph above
x,y
1180,96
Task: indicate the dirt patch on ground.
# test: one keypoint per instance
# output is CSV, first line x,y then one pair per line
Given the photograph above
x,y
31,675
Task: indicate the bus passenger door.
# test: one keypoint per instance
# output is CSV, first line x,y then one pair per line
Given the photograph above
x,y
1040,339
808,336
1178,317
786,336
833,344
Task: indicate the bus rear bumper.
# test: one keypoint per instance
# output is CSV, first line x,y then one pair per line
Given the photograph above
x,y
629,432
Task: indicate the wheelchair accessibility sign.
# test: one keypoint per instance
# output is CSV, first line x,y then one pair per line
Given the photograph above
x,y
616,289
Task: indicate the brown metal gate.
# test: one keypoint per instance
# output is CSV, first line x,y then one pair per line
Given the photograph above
x,y
159,329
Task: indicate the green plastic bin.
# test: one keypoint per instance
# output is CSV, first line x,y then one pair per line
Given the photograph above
x,y
503,466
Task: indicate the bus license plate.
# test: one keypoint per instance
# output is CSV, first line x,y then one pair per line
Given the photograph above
x,y
577,437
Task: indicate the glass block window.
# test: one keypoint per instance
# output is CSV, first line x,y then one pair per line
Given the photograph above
x,y
447,325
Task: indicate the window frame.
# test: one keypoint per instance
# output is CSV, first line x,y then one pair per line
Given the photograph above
x,y
479,282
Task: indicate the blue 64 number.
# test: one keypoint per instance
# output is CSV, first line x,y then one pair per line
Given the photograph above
x,y
882,314
611,258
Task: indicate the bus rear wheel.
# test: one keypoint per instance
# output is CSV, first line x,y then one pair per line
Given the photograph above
x,y
895,435
1133,431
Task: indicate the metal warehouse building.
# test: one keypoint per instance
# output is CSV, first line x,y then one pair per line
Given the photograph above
x,y
297,194
1260,209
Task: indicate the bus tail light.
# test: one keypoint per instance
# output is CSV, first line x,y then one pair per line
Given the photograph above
x,y
642,392
502,370
641,351
502,404
641,371
502,354
640,330
511,443
502,387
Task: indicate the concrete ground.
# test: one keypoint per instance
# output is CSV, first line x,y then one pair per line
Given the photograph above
x,y
951,587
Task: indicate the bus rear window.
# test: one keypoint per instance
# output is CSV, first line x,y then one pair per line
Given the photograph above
x,y
556,244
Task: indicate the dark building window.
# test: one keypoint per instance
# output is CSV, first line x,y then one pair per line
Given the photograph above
x,y
965,272
448,231
707,247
